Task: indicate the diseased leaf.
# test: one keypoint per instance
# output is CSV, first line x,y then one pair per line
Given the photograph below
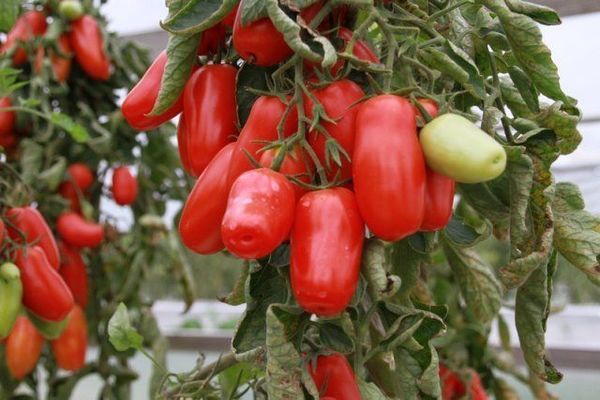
x,y
462,234
526,41
564,125
577,232
525,87
520,172
251,10
370,391
532,307
488,205
478,284
375,268
540,13
334,337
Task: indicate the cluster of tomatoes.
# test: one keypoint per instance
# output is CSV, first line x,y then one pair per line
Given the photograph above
x,y
49,278
83,42
361,163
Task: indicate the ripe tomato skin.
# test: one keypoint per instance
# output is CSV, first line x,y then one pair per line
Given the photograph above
x,y
259,42
124,186
210,110
88,46
8,141
453,388
229,19
80,177
260,127
334,377
140,100
212,40
69,349
455,147
2,233
44,291
361,49
338,101
23,348
326,246
31,23
61,66
78,232
7,118
32,224
388,167
74,273
295,164
259,214
439,192
200,224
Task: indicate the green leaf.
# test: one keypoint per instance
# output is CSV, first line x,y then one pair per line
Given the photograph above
x,y
233,377
526,41
54,175
238,294
576,232
9,11
462,234
251,10
265,286
375,268
525,87
520,172
31,160
478,284
285,368
531,312
406,263
120,332
488,205
335,337
370,391
75,130
542,14
196,16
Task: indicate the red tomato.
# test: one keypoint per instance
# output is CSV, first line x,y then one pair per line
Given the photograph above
x,y
29,222
88,45
210,110
8,141
74,273
326,246
260,127
23,348
259,214
44,292
69,349
2,233
295,164
182,135
7,118
78,232
338,101
140,100
124,186
361,49
430,106
61,65
388,167
453,388
200,224
334,377
30,24
212,40
229,19
259,42
79,176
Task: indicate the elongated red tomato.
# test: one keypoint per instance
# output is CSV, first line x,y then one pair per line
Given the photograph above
x,y
200,224
44,291
295,164
61,60
440,189
23,348
229,19
78,232
74,273
8,141
140,100
388,167
260,127
210,111
29,222
124,186
334,377
212,40
326,246
259,42
69,349
88,46
361,49
2,233
338,100
259,214
30,24
79,178
7,118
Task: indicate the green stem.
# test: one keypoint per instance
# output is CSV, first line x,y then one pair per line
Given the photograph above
x,y
446,10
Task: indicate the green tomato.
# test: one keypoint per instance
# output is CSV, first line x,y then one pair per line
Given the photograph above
x,y
71,9
49,330
11,292
457,148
